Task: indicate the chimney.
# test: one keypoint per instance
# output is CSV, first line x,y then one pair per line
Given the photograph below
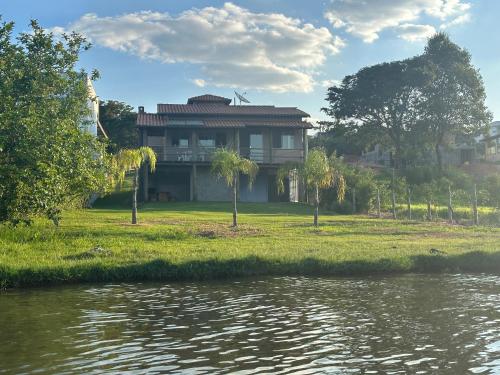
x,y
141,109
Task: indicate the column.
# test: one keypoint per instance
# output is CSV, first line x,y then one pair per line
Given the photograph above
x,y
165,145
194,182
270,138
194,146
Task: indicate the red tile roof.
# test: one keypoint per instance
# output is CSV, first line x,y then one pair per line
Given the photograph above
x,y
223,109
150,119
208,98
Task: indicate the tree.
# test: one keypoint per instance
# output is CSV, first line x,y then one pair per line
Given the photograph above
x,y
47,160
131,160
229,165
382,100
318,172
453,94
118,119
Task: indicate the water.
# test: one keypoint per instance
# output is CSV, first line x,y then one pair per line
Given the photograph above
x,y
416,324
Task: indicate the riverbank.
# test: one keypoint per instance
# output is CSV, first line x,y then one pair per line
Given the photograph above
x,y
193,241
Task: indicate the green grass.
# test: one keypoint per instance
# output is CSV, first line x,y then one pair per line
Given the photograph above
x,y
193,241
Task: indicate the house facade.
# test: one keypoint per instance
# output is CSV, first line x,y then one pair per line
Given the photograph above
x,y
185,136
492,143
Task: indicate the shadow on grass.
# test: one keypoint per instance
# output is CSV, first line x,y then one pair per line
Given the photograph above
x,y
278,208
162,270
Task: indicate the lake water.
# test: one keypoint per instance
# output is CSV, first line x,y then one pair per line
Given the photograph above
x,y
412,324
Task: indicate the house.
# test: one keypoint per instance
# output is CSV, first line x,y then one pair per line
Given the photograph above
x,y
184,137
492,143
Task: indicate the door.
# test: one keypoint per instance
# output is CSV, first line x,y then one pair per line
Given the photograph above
x,y
257,147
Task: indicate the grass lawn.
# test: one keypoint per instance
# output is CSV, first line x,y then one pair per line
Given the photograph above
x,y
193,241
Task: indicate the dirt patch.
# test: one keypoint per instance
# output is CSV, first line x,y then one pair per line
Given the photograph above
x,y
219,230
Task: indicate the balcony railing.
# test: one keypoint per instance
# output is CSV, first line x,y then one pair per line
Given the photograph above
x,y
204,154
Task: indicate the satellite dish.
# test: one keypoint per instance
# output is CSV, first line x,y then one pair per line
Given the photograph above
x,y
242,98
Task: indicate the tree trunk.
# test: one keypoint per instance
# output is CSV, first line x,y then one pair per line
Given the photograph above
x,y
450,206
409,204
439,157
379,215
316,205
134,196
235,210
429,210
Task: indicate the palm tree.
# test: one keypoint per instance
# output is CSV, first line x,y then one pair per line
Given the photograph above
x,y
228,165
318,172
131,160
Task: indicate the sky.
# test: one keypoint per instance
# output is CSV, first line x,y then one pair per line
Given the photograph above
x,y
278,52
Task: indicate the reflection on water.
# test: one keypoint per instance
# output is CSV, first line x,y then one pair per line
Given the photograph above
x,y
405,324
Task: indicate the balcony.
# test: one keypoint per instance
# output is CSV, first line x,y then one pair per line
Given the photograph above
x,y
204,154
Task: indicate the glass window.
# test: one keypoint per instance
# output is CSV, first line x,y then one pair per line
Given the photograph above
x,y
180,141
287,141
206,141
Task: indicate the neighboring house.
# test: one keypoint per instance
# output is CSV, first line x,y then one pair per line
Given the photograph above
x,y
455,154
184,136
492,143
377,157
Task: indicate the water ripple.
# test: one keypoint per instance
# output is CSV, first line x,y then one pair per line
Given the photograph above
x,y
441,324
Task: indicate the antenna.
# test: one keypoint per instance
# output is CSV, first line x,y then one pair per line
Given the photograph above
x,y
242,98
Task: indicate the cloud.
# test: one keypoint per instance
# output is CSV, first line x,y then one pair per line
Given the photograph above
x,y
330,82
464,18
415,33
234,46
366,19
199,82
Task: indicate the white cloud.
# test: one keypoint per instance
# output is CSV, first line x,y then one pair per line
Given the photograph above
x,y
234,46
366,19
199,82
415,33
330,82
464,18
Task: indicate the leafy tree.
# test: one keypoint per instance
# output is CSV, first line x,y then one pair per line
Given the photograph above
x,y
340,137
131,160
47,160
229,165
382,100
453,94
318,172
118,119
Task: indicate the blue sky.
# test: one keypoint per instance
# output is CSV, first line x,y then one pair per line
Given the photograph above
x,y
282,52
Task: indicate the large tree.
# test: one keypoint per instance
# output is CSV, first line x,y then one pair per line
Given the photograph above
x,y
382,100
118,120
454,95
47,160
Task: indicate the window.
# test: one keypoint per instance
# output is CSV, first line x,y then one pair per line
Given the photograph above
x,y
180,141
287,141
206,141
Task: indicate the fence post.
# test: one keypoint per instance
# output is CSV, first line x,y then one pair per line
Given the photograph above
x,y
429,210
474,207
353,200
378,204
450,206
394,216
409,203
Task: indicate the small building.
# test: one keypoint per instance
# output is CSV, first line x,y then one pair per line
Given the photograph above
x,y
492,143
184,137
